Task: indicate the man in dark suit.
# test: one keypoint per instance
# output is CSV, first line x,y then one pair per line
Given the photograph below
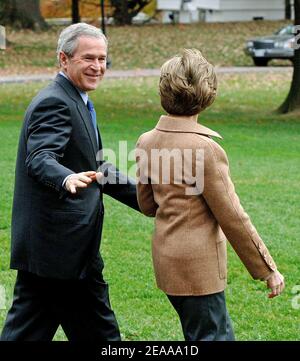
x,y
58,210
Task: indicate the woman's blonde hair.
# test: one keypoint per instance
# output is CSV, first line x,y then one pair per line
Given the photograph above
x,y
188,83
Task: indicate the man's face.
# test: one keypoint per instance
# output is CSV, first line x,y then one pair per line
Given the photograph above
x,y
87,65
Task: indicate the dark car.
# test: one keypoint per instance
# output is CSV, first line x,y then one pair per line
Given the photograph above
x,y
280,45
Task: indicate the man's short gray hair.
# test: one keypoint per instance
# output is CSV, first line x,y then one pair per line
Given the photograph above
x,y
68,38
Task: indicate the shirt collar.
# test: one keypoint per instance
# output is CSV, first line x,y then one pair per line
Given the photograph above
x,y
184,125
83,95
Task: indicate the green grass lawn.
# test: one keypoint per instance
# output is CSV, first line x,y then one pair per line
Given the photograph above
x,y
263,149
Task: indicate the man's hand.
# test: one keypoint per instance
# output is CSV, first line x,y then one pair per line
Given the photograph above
x,y
79,180
97,177
276,284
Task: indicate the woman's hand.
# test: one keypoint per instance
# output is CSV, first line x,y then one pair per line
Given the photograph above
x,y
276,283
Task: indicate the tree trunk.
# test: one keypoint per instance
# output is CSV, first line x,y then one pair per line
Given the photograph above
x,y
75,12
22,14
121,14
292,102
288,12
124,10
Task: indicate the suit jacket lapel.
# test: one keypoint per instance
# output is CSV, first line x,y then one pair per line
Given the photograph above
x,y
82,110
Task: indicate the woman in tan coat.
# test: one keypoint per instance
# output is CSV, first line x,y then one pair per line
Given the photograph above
x,y
184,182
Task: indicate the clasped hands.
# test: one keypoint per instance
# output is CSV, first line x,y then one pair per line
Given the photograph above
x,y
81,180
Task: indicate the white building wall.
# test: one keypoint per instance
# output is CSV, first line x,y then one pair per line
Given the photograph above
x,y
222,10
205,4
169,4
238,15
243,10
252,5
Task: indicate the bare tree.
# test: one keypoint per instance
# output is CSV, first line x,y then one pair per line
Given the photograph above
x,y
22,14
292,102
124,10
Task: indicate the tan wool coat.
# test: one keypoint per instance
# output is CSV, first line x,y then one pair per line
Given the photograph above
x,y
191,228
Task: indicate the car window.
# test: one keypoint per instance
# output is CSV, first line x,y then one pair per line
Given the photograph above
x,y
287,30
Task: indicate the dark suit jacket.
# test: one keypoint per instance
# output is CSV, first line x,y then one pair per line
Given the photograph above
x,y
54,233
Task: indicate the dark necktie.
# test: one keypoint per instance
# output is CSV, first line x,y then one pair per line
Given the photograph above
x,y
92,111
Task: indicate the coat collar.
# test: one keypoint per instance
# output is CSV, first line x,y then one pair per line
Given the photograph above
x,y
68,87
168,123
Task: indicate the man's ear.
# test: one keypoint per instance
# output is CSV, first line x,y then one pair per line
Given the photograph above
x,y
63,59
